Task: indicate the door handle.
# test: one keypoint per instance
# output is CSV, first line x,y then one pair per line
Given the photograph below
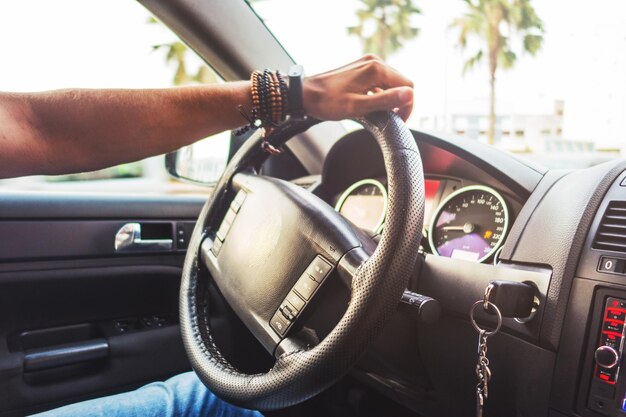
x,y
128,239
68,354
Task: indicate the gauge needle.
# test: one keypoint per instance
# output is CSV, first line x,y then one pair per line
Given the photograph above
x,y
466,228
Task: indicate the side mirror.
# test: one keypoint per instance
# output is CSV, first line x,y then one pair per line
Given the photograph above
x,y
202,162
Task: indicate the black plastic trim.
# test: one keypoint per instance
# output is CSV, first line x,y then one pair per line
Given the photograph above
x,y
58,206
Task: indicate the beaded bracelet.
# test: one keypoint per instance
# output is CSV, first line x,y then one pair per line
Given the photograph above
x,y
268,90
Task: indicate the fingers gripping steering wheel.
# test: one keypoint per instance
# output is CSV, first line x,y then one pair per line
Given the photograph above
x,y
262,240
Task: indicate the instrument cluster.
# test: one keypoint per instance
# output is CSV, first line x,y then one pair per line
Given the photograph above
x,y
467,222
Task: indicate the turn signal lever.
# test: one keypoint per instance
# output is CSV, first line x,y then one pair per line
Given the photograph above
x,y
420,307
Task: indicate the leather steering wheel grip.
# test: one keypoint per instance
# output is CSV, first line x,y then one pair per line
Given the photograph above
x,y
376,289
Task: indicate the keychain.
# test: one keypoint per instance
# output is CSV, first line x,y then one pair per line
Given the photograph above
x,y
483,373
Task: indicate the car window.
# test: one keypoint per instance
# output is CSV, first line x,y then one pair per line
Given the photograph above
x,y
560,90
97,44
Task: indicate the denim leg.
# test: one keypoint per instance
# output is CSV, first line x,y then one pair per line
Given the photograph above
x,y
180,396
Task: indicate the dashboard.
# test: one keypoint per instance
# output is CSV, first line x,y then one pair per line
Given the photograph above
x,y
490,216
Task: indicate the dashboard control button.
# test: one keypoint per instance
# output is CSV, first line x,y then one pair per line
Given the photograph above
x,y
608,375
279,324
305,286
613,326
611,340
295,300
319,269
615,314
607,264
606,357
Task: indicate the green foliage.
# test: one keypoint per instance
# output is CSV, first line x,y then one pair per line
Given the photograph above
x,y
176,53
495,24
391,23
471,62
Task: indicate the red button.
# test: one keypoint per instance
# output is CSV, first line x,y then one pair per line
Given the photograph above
x,y
606,375
613,326
611,340
615,314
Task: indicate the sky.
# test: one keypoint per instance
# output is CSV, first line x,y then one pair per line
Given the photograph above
x,y
107,44
582,62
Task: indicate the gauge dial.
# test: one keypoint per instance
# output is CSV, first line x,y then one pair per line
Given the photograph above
x,y
364,203
470,224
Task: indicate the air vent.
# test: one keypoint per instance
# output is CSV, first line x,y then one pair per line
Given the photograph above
x,y
611,234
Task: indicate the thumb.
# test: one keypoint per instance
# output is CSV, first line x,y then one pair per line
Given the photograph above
x,y
390,99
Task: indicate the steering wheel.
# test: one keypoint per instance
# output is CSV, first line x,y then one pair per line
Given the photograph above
x,y
270,247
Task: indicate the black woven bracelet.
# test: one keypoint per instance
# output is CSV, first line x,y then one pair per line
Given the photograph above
x,y
262,98
284,93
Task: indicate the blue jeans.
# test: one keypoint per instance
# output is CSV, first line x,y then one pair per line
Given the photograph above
x,y
180,396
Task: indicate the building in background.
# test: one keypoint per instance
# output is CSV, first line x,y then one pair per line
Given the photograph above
x,y
536,135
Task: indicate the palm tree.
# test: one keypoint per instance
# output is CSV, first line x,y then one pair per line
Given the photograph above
x,y
391,20
495,24
176,52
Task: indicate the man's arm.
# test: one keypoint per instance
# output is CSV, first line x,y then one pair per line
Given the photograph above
x,y
81,130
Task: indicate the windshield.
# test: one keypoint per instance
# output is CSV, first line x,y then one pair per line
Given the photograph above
x,y
543,79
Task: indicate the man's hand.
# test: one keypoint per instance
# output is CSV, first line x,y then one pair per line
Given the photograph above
x,y
359,88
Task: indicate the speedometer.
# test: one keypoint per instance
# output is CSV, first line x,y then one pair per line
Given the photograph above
x,y
471,224
364,203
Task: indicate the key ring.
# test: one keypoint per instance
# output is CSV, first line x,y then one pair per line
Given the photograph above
x,y
487,295
488,304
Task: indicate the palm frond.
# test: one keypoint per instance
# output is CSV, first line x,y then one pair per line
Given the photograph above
x,y
532,43
392,23
473,61
506,58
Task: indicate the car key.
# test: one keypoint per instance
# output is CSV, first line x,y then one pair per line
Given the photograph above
x,y
483,372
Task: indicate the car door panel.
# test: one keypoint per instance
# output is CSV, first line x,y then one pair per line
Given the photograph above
x,y
77,319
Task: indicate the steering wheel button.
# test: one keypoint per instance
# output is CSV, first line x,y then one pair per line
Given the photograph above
x,y
319,269
305,286
279,324
217,245
295,300
223,230
230,216
238,201
288,311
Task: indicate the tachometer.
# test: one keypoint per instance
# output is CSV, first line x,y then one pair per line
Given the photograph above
x,y
364,203
471,223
